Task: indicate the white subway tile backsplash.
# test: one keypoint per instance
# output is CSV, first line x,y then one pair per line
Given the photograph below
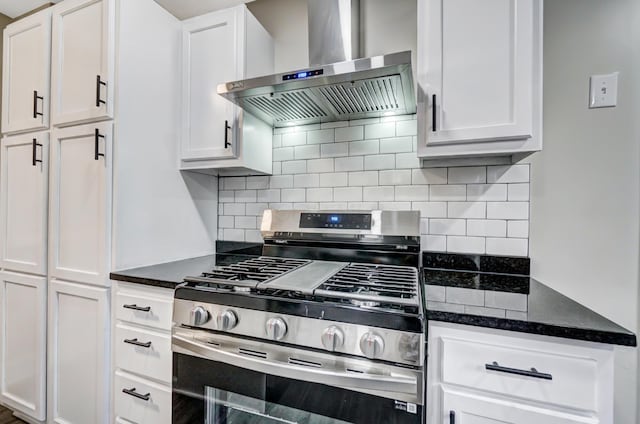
x,y
508,210
347,194
467,210
333,150
319,165
448,193
294,167
349,133
311,151
396,145
379,162
413,193
371,164
377,194
334,179
363,178
429,176
382,130
352,163
508,174
395,177
467,175
306,180
293,195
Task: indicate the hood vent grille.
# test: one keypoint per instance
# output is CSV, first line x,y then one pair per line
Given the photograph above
x,y
291,106
374,95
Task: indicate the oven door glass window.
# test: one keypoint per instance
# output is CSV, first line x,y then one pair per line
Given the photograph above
x,y
224,407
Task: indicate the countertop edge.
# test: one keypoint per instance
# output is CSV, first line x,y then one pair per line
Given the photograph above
x,y
564,332
143,281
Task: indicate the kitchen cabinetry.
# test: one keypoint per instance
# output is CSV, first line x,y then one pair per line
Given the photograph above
x,y
479,78
78,369
82,63
80,204
25,74
142,353
484,376
217,136
23,342
24,176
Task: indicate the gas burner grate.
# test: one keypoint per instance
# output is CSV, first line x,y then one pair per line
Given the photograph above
x,y
373,283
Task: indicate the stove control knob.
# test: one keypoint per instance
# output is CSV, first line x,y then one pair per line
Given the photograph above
x,y
371,345
199,316
276,328
227,320
332,338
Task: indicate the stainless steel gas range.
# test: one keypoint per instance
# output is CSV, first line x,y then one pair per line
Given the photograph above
x,y
325,327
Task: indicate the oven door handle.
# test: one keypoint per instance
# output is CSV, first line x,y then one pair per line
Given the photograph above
x,y
399,384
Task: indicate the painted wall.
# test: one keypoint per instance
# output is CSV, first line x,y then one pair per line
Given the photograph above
x,y
585,183
4,21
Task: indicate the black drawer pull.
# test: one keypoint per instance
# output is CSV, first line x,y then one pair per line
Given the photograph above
x,y
34,158
226,134
99,84
452,417
97,153
137,308
137,343
433,113
527,373
35,104
132,392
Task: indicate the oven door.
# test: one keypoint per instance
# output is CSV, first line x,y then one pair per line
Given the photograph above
x,y
223,380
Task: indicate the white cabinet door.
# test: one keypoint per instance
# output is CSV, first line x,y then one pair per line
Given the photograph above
x,y
82,61
26,70
24,177
466,408
476,70
23,341
78,373
213,53
80,203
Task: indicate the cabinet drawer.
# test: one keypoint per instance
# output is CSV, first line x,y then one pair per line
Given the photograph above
x,y
143,352
144,310
494,367
146,402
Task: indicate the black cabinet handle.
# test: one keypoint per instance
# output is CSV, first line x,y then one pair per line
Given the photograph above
x,y
137,308
99,84
527,373
132,392
226,134
34,158
35,104
137,343
97,153
433,113
452,417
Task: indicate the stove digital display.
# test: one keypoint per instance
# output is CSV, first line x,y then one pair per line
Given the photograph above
x,y
341,221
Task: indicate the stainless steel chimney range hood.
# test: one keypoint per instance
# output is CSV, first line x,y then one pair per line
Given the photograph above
x,y
345,90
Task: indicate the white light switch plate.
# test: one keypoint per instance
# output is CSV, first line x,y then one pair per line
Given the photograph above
x,y
603,90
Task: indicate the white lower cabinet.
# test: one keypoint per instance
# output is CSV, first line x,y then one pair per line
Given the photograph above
x,y
23,343
483,376
467,408
78,372
142,353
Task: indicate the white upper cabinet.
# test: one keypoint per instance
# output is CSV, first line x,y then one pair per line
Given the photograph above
x,y
82,68
24,166
26,69
479,77
220,47
80,203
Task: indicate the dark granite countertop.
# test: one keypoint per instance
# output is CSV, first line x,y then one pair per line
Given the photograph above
x,y
515,302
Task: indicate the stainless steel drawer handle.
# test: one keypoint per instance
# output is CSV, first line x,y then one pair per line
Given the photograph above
x,y
132,392
137,308
137,343
494,366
